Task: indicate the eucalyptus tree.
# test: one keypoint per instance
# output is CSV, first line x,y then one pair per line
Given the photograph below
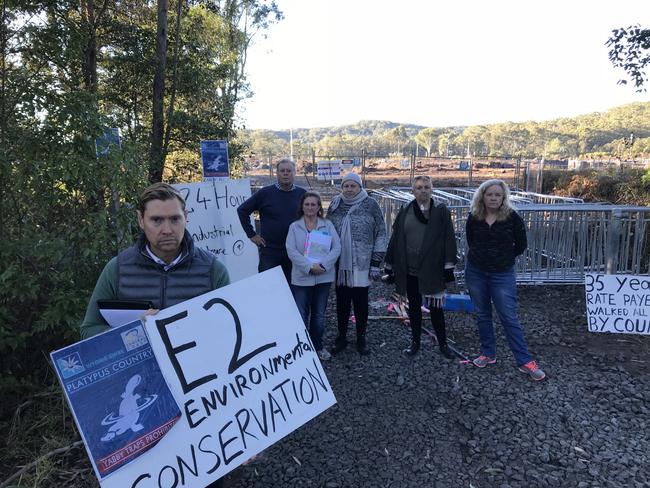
x,y
630,50
427,138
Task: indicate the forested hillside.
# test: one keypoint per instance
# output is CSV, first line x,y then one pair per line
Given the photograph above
x,y
622,132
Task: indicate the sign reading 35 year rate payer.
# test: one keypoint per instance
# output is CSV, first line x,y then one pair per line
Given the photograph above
x,y
618,303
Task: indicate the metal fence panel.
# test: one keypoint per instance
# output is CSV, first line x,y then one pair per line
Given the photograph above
x,y
566,239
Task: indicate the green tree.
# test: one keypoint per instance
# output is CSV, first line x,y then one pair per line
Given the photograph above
x,y
427,138
264,144
68,70
630,50
398,137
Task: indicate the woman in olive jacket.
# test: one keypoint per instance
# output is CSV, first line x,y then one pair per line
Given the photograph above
x,y
421,257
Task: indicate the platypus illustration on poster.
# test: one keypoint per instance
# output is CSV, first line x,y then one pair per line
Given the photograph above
x,y
129,411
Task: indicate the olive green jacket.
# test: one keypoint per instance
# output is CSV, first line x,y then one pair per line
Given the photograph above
x,y
439,247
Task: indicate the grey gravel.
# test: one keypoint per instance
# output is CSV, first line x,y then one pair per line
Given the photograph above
x,y
430,422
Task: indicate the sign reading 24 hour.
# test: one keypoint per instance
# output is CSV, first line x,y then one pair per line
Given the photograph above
x,y
214,225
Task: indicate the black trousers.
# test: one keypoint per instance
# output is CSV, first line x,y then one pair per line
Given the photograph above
x,y
415,313
271,261
346,297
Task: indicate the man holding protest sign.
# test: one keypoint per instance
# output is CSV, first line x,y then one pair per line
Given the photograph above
x,y
163,267
277,206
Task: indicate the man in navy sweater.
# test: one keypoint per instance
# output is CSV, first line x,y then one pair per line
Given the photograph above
x,y
277,206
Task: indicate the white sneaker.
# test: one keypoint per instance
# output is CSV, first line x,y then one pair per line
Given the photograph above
x,y
324,354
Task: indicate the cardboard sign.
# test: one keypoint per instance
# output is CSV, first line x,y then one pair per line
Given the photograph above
x,y
618,303
244,372
213,222
214,158
117,394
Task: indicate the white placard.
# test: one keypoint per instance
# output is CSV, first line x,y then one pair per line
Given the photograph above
x,y
328,170
241,366
618,303
346,165
213,222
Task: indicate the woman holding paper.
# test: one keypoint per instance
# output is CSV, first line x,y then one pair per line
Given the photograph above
x,y
421,257
313,247
360,223
496,235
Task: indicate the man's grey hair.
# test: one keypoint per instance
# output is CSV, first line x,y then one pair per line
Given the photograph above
x,y
285,161
425,178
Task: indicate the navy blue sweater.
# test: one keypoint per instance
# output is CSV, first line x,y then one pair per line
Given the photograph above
x,y
277,209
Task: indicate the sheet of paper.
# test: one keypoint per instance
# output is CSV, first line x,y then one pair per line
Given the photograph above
x,y
115,318
318,246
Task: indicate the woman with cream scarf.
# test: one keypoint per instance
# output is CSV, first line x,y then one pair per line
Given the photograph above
x,y
360,224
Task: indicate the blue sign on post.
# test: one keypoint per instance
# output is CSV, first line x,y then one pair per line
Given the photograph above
x,y
117,394
214,156
108,141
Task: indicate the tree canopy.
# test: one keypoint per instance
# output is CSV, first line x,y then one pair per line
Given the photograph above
x,y
630,50
68,71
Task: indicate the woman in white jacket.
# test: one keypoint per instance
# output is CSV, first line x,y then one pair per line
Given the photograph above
x,y
313,246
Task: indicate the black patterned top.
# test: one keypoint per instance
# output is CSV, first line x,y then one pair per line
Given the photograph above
x,y
493,249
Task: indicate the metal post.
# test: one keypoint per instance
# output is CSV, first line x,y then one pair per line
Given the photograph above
x,y
291,142
613,242
469,174
517,171
363,167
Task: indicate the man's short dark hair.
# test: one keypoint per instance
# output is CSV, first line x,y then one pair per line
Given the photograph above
x,y
159,191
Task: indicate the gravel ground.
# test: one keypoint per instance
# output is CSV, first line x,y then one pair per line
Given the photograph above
x,y
438,423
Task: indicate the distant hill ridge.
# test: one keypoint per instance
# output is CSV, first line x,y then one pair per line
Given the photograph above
x,y
622,132
628,115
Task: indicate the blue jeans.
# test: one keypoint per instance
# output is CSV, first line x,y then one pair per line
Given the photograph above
x,y
312,302
501,289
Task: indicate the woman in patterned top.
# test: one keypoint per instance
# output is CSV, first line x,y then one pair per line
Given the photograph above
x,y
360,225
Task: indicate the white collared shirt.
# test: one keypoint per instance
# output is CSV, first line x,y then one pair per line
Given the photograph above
x,y
157,260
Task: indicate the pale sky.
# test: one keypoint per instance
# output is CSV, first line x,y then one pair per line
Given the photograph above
x,y
437,63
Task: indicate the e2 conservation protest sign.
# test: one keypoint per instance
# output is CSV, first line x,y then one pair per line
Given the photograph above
x,y
241,366
618,303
